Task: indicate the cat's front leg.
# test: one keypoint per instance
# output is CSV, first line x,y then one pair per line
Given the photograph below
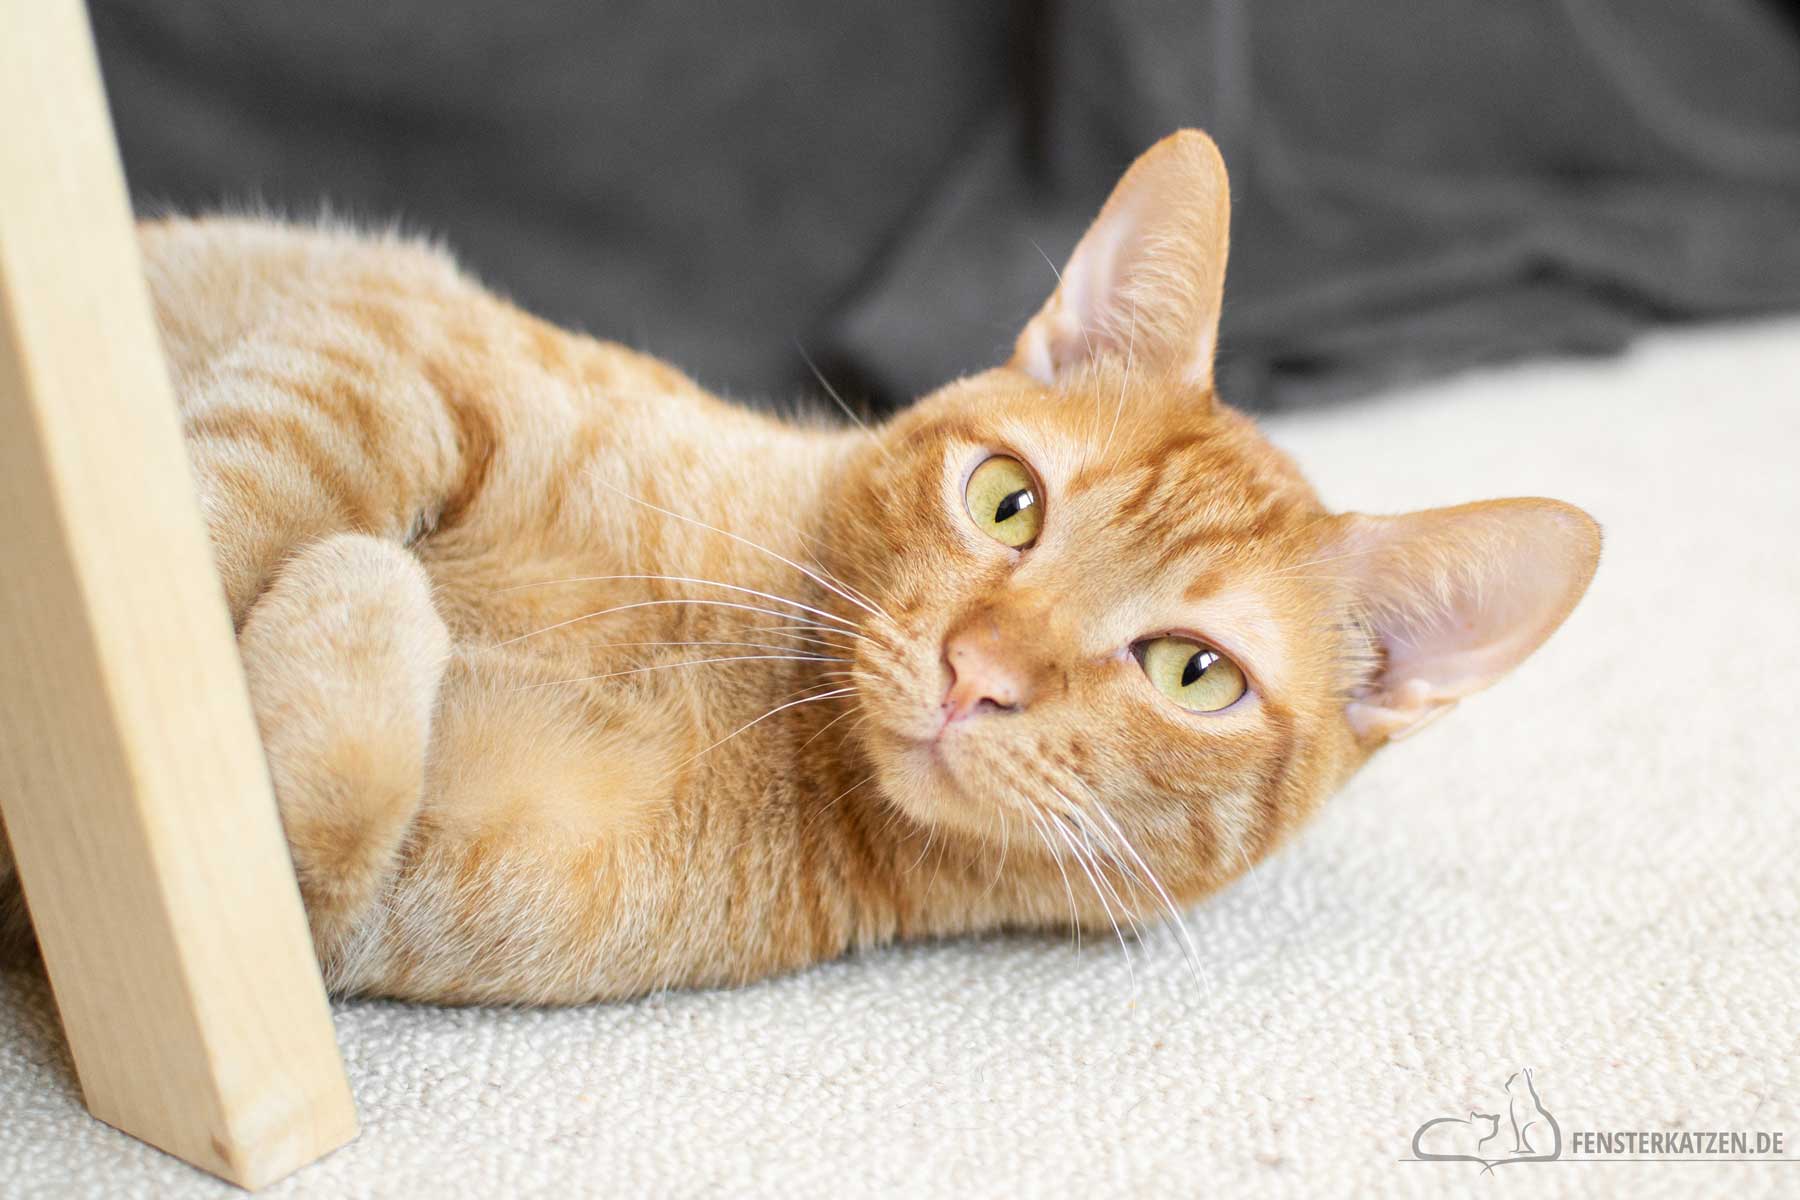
x,y
344,655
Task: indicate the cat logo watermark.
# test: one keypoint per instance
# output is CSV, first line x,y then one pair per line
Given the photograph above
x,y
1525,1131
1533,1133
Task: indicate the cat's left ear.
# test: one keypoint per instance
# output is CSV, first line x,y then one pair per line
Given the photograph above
x,y
1147,280
1456,598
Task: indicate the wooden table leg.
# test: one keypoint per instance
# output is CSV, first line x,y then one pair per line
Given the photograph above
x,y
134,788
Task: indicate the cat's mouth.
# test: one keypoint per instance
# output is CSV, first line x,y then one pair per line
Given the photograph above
x,y
940,770
929,756
943,774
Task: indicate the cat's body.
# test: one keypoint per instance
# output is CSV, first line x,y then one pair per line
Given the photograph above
x,y
578,682
565,846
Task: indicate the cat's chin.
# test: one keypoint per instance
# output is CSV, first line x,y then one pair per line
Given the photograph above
x,y
930,781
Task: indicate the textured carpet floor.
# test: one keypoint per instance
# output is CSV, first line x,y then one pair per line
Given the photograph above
x,y
1592,871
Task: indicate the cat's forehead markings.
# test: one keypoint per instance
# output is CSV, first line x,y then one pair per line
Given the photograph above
x,y
1174,444
1051,453
1183,448
1240,617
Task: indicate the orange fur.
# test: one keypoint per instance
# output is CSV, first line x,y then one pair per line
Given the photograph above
x,y
507,774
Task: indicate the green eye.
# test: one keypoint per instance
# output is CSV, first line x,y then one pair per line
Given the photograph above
x,y
1003,502
1197,677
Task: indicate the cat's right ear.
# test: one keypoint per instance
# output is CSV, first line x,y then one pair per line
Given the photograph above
x,y
1147,279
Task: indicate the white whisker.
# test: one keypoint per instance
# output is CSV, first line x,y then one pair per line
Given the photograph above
x,y
830,587
1005,841
747,645
1079,323
1130,357
814,560
777,709
1189,949
1255,879
930,833
832,803
730,587
1068,889
790,631
606,612
1076,827
1316,562
839,400
808,687
821,731
1100,893
686,662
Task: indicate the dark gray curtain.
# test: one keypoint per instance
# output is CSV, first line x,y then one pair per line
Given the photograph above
x,y
1418,187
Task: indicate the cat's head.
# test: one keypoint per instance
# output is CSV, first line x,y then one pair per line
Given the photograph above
x,y
1120,615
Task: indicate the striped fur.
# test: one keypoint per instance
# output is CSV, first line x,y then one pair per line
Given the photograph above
x,y
578,682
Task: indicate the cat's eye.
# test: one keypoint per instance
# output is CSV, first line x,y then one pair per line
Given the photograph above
x,y
1003,502
1193,675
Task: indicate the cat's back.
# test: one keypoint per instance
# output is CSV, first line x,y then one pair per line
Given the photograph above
x,y
219,283
370,331
233,288
328,376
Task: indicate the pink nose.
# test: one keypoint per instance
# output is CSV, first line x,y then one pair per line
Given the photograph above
x,y
981,678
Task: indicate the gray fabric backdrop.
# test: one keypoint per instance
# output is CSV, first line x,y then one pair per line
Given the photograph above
x,y
1418,187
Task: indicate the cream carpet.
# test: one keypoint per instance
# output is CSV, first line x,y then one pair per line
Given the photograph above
x,y
1592,871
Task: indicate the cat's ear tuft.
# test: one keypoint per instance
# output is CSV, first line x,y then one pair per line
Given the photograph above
x,y
1147,279
1456,598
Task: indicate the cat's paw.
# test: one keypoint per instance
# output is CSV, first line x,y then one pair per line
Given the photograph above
x,y
344,655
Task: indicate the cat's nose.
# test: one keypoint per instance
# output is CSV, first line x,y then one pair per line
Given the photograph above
x,y
982,679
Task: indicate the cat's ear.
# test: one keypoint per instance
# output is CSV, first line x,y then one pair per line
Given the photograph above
x,y
1456,598
1148,277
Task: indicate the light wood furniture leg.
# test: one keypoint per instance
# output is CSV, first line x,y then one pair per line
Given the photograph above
x,y
131,778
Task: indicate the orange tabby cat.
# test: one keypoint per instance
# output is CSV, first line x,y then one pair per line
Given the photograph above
x,y
578,682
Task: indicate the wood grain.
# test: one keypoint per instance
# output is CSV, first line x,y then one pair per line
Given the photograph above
x,y
134,788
